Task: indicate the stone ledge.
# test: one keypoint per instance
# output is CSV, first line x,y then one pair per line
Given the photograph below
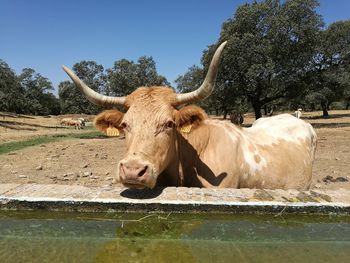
x,y
172,199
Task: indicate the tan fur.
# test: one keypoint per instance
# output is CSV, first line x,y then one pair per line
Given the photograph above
x,y
64,121
72,122
289,166
145,95
189,115
213,153
108,118
216,154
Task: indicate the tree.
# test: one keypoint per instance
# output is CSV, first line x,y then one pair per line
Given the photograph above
x,y
38,99
221,101
190,81
270,46
346,81
11,92
329,78
71,99
51,103
125,76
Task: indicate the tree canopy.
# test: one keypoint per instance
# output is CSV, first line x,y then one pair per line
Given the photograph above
x,y
71,99
270,46
11,91
125,76
279,55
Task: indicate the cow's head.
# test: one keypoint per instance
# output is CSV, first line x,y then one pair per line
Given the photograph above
x,y
150,124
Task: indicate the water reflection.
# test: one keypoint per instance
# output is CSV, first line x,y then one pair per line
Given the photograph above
x,y
175,238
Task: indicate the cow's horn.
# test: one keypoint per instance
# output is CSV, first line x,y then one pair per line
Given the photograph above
x,y
208,84
92,95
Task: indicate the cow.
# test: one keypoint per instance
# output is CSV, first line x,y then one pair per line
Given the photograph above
x,y
170,145
297,113
64,121
82,122
77,123
236,118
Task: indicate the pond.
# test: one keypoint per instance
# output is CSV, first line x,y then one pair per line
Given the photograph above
x,y
109,237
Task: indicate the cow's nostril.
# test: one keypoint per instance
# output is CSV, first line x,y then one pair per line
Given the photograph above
x,y
143,171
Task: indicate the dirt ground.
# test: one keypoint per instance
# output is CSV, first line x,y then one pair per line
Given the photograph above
x,y
93,162
17,127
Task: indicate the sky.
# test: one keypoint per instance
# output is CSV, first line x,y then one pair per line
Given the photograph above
x,y
45,34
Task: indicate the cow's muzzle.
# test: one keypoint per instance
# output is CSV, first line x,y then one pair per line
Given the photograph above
x,y
136,174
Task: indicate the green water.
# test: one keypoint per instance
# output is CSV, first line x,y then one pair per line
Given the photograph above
x,y
68,237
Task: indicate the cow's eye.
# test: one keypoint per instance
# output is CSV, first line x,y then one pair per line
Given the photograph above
x,y
169,125
125,126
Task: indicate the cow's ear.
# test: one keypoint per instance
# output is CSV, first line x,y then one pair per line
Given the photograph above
x,y
189,117
109,122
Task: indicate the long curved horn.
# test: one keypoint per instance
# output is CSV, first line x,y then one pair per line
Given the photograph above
x,y
208,84
92,95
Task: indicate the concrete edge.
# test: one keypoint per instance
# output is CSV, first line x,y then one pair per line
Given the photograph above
x,y
238,207
172,199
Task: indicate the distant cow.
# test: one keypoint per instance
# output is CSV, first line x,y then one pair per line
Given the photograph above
x,y
297,113
237,118
64,121
170,145
82,121
77,123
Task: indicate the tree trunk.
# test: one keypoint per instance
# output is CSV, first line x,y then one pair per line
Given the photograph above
x,y
217,111
324,110
347,105
325,113
224,110
265,110
257,109
312,106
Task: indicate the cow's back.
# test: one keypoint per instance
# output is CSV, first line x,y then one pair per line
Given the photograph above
x,y
275,153
283,126
279,153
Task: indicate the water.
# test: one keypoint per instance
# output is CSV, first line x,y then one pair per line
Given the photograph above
x,y
67,237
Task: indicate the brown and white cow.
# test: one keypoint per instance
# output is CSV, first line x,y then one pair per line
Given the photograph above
x,y
172,146
64,121
77,123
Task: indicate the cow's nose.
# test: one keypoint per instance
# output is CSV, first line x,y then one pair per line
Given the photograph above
x,y
132,170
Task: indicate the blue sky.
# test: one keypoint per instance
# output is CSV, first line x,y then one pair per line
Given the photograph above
x,y
44,35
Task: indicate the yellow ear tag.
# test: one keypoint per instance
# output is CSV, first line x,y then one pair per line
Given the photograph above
x,y
186,128
112,132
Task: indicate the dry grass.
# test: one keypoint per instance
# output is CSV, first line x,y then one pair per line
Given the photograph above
x,y
68,162
15,127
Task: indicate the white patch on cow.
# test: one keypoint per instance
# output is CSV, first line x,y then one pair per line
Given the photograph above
x,y
271,132
267,131
236,134
254,166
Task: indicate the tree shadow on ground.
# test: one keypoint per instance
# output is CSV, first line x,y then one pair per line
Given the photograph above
x,y
331,116
8,124
14,115
331,125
